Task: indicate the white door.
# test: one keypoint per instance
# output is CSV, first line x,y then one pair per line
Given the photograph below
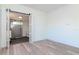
x,y
8,32
4,41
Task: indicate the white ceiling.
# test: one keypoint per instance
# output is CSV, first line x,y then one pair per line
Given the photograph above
x,y
45,7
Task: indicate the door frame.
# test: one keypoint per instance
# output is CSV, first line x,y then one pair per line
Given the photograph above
x,y
8,25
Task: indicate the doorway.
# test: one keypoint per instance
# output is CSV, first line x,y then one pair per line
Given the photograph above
x,y
19,27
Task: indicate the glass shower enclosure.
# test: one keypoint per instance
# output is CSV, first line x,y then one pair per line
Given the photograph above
x,y
16,28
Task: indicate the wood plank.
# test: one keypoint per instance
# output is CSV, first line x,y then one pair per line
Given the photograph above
x,y
43,47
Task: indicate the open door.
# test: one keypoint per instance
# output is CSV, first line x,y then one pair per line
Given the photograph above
x,y
18,31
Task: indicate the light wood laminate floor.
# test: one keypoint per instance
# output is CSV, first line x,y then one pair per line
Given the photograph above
x,y
44,47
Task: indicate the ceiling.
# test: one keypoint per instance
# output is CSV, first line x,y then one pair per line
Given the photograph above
x,y
45,7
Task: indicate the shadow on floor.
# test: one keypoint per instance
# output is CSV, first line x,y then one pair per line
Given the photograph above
x,y
19,40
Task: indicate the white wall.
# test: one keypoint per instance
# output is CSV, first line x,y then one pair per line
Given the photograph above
x,y
37,22
0,26
63,25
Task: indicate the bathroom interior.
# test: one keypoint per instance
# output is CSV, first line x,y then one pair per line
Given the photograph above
x,y
19,27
